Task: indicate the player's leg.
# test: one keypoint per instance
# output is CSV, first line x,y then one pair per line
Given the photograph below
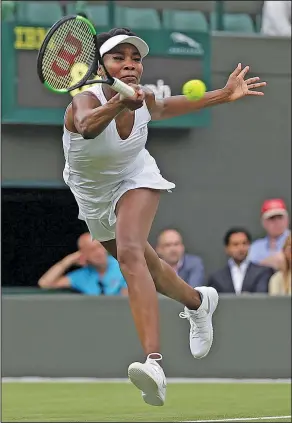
x,y
135,212
200,303
198,312
166,281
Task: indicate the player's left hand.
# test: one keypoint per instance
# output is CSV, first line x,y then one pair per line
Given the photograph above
x,y
237,86
135,102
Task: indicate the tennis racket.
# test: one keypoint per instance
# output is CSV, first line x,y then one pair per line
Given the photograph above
x,y
69,56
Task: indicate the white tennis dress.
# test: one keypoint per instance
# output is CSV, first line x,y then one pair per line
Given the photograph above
x,y
100,170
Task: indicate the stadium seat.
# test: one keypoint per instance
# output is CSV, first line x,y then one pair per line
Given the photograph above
x,y
199,6
234,22
137,18
38,13
7,10
98,14
181,20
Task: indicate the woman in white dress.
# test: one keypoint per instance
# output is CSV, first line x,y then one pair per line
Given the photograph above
x,y
117,186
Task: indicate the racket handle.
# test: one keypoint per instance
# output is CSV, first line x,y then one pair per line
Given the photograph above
x,y
122,88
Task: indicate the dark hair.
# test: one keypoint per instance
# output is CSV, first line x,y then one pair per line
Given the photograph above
x,y
233,231
104,36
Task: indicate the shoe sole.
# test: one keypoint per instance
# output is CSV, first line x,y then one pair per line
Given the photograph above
x,y
145,383
213,305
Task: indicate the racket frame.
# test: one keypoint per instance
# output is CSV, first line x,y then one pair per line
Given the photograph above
x,y
115,83
47,40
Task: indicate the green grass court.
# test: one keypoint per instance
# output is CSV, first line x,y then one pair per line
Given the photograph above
x,y
121,402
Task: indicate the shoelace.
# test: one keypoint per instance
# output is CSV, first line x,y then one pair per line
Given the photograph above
x,y
196,327
184,315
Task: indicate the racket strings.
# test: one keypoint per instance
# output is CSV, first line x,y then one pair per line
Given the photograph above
x,y
70,45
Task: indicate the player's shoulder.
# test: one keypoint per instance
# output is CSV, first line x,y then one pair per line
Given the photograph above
x,y
87,96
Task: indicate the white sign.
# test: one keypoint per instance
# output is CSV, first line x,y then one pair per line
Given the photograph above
x,y
160,89
183,44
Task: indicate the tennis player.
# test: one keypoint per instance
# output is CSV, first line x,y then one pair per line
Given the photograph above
x,y
117,186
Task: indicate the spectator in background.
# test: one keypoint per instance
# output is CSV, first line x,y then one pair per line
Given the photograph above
x,y
280,282
268,251
171,249
239,275
276,18
99,274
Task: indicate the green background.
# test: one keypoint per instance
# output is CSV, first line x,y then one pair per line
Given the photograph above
x,y
160,43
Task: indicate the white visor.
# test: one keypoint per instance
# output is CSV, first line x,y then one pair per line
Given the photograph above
x,y
112,42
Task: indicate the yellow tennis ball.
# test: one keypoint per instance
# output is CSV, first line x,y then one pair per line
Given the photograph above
x,y
194,89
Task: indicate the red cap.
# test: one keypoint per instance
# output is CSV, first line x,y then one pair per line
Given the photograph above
x,y
273,207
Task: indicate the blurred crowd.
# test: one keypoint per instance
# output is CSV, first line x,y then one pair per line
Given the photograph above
x,y
273,17
252,266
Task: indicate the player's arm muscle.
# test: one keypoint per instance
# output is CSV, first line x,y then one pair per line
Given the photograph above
x,y
90,117
179,105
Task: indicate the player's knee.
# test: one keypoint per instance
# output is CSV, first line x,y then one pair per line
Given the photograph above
x,y
130,257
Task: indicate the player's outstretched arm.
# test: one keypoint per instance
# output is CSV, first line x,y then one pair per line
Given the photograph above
x,y
236,87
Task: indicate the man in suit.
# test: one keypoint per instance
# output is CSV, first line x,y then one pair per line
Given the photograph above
x,y
240,275
171,249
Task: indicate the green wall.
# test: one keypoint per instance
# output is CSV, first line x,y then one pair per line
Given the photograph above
x,y
78,336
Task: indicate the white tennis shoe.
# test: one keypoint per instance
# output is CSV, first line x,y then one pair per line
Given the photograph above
x,y
201,330
149,377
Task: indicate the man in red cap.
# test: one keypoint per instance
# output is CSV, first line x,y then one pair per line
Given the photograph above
x,y
275,220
